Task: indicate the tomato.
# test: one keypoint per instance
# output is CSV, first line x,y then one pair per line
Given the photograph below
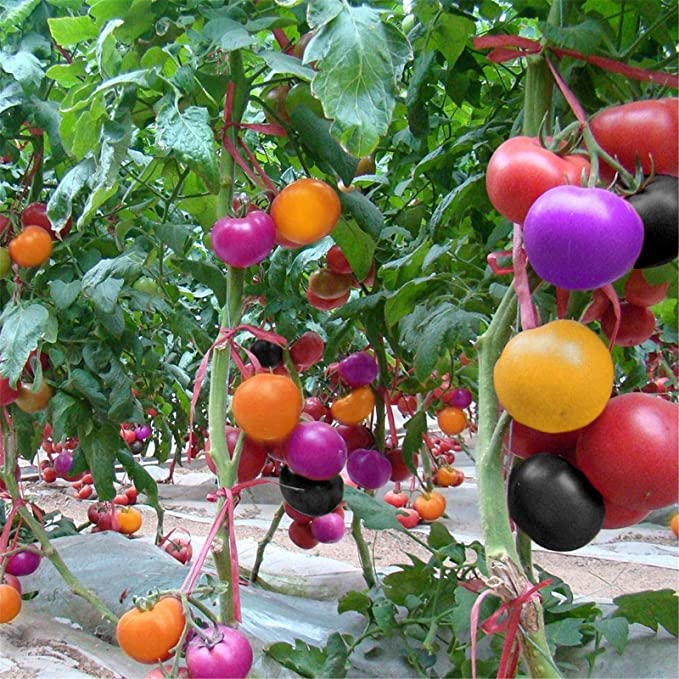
x,y
316,451
326,304
243,241
63,463
49,475
300,534
337,262
149,636
521,170
408,517
621,517
637,324
179,549
12,581
32,247
31,401
328,528
22,563
406,404
448,477
554,378
307,349
354,407
460,397
523,441
132,493
316,409
356,436
267,407
325,284
35,214
358,369
296,516
227,653
395,499
658,206
128,436
640,292
252,457
674,525
7,394
267,353
300,95
84,493
368,468
276,99
5,224
96,511
10,603
366,165
399,470
305,211
5,262
641,130
313,498
568,228
430,506
629,453
129,520
554,503
451,420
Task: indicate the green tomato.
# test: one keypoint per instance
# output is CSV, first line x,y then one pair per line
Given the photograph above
x,y
147,285
300,95
5,262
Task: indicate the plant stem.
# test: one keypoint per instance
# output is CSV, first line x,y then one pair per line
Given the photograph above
x,y
367,565
261,546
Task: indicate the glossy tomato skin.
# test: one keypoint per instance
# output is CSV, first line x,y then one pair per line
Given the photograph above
x,y
326,304
637,324
307,349
582,238
658,206
521,170
313,498
354,407
32,247
629,453
368,468
267,353
644,130
229,657
554,378
243,241
316,451
252,457
328,285
524,442
621,517
7,394
22,563
554,503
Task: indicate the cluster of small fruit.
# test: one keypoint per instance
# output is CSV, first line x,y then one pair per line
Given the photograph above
x,y
20,563
136,436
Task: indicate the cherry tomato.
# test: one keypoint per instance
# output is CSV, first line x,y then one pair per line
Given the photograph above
x,y
307,349
521,170
395,499
300,535
637,324
621,517
32,247
523,441
328,285
337,262
368,468
451,420
399,470
243,241
554,378
129,520
31,401
305,211
10,603
354,407
7,394
267,353
430,506
35,214
312,498
408,517
326,304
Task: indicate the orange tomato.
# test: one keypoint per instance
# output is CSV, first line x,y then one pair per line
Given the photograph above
x,y
129,520
354,407
430,506
451,420
267,407
10,603
149,636
674,525
31,247
447,476
305,211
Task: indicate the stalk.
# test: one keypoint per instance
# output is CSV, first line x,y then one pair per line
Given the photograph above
x,y
261,546
367,565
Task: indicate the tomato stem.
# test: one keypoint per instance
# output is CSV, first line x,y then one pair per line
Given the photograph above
x,y
262,544
367,565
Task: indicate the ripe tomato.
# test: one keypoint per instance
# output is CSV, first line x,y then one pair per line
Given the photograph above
x,y
641,130
408,517
312,498
337,262
129,520
674,525
7,394
399,470
430,506
326,304
307,349
267,407
179,549
521,170
356,436
300,535
33,401
621,517
243,241
354,407
84,493
554,378
49,475
451,420
10,603
149,636
35,214
523,441
305,211
227,653
448,477
395,499
32,247
326,284
12,581
640,292
629,453
637,324
295,515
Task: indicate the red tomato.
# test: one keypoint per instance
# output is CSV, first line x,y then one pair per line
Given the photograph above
x,y
641,129
328,285
637,324
642,293
7,394
35,214
621,517
307,349
521,170
629,453
408,517
395,499
399,471
326,304
337,262
526,441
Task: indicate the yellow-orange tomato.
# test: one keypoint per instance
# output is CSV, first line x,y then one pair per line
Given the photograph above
x,y
10,603
31,247
267,407
354,407
149,636
674,525
430,506
554,378
447,476
451,420
129,520
305,211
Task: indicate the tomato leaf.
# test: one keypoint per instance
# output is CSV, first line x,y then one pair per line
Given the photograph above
x,y
374,513
409,581
364,211
22,328
306,660
100,447
450,35
566,632
279,62
615,631
358,247
415,428
67,414
354,601
25,68
337,659
68,31
650,608
143,481
60,205
360,58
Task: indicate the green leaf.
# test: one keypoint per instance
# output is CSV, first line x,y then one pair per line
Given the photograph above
x,y
15,14
25,67
227,34
86,384
374,513
410,581
143,481
67,75
60,205
67,414
450,36
188,136
64,294
68,31
354,601
280,62
100,447
179,237
584,37
45,115
321,12
337,660
306,660
464,600
615,631
650,608
403,301
439,536
108,56
364,211
415,428
22,328
458,196
11,96
360,59
357,246
566,632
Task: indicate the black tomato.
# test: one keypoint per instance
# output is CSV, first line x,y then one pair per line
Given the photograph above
x,y
136,447
554,503
313,498
268,354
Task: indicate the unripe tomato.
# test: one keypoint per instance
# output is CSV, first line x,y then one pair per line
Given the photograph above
x,y
328,285
451,420
354,407
33,401
554,378
305,211
32,247
430,506
326,304
267,407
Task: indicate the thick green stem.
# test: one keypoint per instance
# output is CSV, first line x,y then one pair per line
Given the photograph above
x,y
261,546
367,565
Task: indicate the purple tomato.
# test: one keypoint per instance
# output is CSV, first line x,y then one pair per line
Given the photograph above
x,y
460,397
227,655
142,432
63,463
358,369
243,241
316,451
582,238
23,563
328,528
368,468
